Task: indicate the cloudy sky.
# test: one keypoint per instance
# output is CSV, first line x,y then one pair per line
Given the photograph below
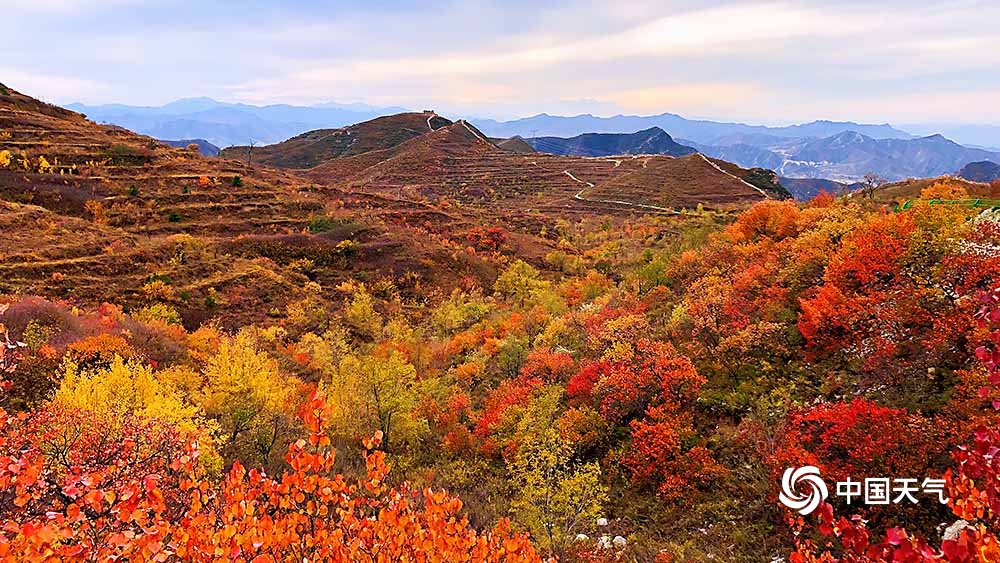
x,y
771,62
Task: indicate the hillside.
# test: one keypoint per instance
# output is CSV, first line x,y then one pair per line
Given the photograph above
x,y
677,182
204,147
983,171
391,198
650,141
100,211
893,193
315,147
515,144
458,163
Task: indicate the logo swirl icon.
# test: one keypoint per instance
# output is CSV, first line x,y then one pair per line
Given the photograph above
x,y
790,497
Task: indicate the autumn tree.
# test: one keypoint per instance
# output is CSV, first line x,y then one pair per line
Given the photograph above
x,y
944,189
871,182
243,390
360,314
558,494
123,391
973,490
519,282
376,393
140,499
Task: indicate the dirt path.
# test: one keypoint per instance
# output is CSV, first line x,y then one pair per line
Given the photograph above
x,y
737,178
473,131
579,197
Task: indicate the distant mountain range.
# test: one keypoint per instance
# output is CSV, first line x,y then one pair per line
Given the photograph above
x,y
849,155
981,136
835,150
845,157
225,124
700,131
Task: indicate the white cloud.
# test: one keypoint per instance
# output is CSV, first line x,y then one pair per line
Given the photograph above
x,y
63,8
51,87
716,58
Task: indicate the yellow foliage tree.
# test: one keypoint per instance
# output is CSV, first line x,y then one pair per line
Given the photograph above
x,y
520,282
123,389
558,497
944,189
44,167
376,394
360,314
247,395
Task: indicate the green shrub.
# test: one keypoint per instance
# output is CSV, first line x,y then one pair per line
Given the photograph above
x,y
237,182
158,312
121,154
174,217
323,224
347,248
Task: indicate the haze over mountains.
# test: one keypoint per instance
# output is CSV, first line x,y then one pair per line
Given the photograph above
x,y
224,124
834,150
700,131
848,156
844,157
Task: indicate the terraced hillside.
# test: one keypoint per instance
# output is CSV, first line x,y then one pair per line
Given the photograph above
x,y
681,182
458,163
91,212
98,212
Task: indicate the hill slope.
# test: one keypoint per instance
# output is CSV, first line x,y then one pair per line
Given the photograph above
x,y
515,144
204,147
315,147
983,171
459,164
99,211
650,141
676,182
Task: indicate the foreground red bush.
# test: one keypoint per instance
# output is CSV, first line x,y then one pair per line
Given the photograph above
x,y
137,494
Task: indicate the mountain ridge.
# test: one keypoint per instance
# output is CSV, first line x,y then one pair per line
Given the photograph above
x,y
702,131
648,141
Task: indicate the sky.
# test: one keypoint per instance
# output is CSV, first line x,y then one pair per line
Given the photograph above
x,y
773,62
